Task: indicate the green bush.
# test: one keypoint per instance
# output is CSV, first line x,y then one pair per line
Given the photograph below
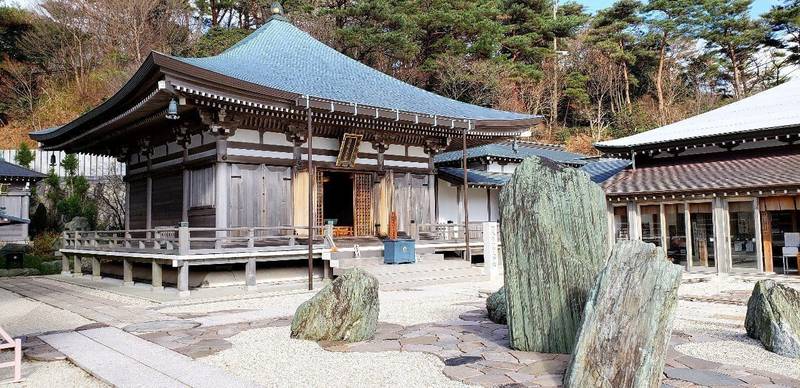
x,y
45,244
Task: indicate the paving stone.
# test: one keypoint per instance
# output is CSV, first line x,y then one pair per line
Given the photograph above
x,y
501,366
490,380
545,368
755,379
521,377
697,363
373,346
422,348
500,356
702,377
550,380
470,346
423,340
463,360
43,352
532,356
460,372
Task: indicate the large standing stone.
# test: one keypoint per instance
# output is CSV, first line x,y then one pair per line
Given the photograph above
x,y
496,306
345,310
628,319
554,234
773,317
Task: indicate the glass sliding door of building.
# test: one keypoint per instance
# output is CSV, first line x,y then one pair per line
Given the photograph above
x,y
743,235
621,226
651,224
702,223
675,220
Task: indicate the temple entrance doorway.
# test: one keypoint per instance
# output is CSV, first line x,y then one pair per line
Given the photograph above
x,y
346,203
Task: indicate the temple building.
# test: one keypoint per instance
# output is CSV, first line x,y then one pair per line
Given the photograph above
x,y
720,191
221,144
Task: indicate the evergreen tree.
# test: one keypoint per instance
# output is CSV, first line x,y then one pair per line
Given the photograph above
x,y
784,23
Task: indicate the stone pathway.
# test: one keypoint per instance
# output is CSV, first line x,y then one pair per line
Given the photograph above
x,y
734,297
85,304
124,360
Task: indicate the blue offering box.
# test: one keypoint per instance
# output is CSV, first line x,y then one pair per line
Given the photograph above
x,y
399,251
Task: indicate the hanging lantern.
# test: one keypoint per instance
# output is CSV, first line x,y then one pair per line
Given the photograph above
x,y
172,110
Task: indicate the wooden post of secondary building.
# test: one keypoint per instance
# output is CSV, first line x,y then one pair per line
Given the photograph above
x,y
250,274
149,217
766,237
687,219
183,280
758,235
95,268
127,272
311,192
157,276
467,253
221,195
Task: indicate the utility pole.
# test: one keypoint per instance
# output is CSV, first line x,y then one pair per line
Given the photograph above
x,y
554,102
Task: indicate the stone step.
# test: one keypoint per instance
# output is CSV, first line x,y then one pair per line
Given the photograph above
x,y
431,274
410,268
125,360
399,285
378,261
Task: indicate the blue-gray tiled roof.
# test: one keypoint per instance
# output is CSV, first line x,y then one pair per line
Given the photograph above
x,y
506,150
12,172
475,177
281,56
601,170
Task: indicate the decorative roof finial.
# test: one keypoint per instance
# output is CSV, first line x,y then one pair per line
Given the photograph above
x,y
277,8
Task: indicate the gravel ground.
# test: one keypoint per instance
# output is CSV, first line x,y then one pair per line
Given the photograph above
x,y
744,352
269,357
51,374
720,328
21,316
111,296
404,307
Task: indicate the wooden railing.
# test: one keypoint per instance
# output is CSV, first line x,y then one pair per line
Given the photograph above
x,y
447,232
183,240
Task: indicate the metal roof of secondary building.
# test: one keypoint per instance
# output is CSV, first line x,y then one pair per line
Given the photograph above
x,y
602,169
507,151
773,108
475,178
281,56
10,172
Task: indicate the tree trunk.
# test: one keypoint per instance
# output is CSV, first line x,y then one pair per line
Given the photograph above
x,y
660,79
737,77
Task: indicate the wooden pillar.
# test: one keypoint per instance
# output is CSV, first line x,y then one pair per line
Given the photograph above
x,y
157,277
65,265
77,271
187,176
634,222
687,219
221,181
722,236
311,192
127,205
250,274
149,203
663,229
183,280
766,237
467,252
95,268
758,236
127,272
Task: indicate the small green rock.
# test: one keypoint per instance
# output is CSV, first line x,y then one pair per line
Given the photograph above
x,y
773,317
496,306
344,310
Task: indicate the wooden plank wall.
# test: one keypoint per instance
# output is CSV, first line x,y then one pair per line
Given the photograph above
x,y
167,199
138,204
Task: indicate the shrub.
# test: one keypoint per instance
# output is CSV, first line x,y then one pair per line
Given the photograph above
x,y
45,244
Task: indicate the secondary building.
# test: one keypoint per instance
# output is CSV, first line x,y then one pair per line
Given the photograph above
x,y
15,193
719,191
491,166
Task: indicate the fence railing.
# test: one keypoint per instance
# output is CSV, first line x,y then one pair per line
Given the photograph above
x,y
447,232
88,165
184,240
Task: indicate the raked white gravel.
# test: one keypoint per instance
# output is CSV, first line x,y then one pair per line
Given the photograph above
x,y
21,316
54,374
270,358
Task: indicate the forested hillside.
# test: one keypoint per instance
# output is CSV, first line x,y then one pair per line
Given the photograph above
x,y
628,68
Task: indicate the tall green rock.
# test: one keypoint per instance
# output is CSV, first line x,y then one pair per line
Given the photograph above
x,y
773,317
344,310
555,241
628,320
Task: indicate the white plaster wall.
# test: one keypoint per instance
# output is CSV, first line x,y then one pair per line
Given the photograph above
x,y
449,207
246,136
